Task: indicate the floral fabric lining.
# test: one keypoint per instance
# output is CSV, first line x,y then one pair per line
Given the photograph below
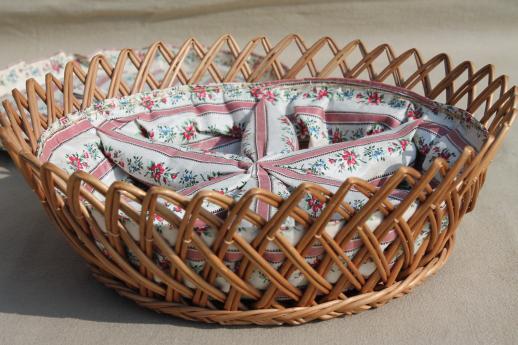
x,y
235,137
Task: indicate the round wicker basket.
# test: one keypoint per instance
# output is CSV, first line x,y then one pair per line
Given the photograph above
x,y
478,91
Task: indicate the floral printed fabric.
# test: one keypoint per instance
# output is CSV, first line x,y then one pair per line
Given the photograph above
x,y
14,77
268,155
234,137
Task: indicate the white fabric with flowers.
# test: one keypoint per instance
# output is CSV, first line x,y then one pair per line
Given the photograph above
x,y
232,138
15,76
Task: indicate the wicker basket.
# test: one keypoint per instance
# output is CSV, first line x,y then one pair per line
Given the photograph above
x,y
479,92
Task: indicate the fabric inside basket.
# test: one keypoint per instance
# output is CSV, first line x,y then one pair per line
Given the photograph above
x,y
234,137
15,76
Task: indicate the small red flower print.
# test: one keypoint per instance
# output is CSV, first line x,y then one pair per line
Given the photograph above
x,y
444,153
269,96
337,137
374,98
200,92
322,93
236,131
468,119
147,102
104,107
350,158
404,144
290,143
189,132
156,170
316,262
425,148
256,92
77,162
56,66
303,129
414,113
314,204
398,146
375,130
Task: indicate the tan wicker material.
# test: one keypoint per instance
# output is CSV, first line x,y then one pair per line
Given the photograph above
x,y
477,91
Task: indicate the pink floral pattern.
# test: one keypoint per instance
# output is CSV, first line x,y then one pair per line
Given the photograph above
x,y
77,161
314,205
205,93
160,173
347,159
189,132
370,97
147,102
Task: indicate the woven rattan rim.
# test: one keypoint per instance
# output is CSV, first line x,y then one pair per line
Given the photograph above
x,y
477,91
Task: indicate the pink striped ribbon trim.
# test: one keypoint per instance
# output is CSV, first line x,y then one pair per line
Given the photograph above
x,y
346,116
63,136
106,128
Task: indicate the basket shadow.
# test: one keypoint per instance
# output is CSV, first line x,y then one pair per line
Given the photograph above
x,y
40,274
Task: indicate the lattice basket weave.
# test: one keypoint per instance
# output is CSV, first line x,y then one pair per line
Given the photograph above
x,y
478,91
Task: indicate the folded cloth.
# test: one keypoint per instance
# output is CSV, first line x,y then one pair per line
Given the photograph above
x,y
234,137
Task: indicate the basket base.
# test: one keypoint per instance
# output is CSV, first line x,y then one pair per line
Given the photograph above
x,y
291,316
